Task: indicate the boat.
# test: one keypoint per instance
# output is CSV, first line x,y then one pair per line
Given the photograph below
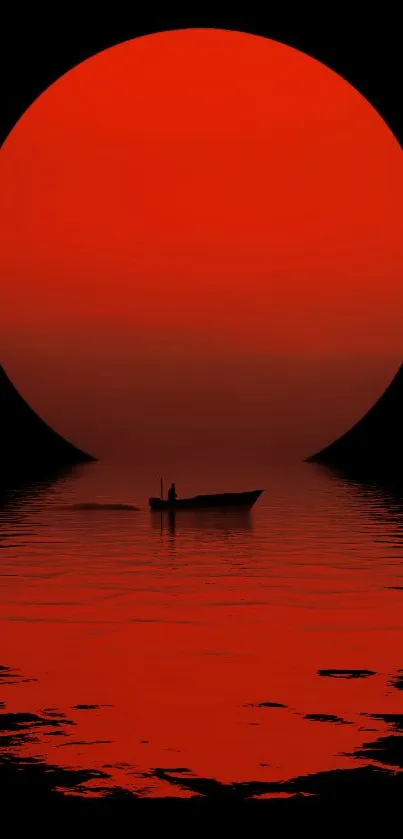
x,y
200,502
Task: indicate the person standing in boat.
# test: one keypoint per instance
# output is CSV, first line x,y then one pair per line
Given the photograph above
x,y
172,496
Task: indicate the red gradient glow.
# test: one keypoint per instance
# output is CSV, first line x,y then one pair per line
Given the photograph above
x,y
192,192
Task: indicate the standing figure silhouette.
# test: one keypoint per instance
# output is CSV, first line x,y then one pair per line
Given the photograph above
x,y
172,496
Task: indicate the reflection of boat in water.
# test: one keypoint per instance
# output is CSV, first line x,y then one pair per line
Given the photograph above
x,y
223,520
246,500
213,522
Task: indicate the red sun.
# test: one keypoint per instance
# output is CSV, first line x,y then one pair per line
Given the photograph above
x,y
196,193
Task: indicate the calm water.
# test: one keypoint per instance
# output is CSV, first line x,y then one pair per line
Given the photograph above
x,y
178,635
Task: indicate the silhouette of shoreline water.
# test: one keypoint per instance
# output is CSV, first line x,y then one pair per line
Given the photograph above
x,y
382,499
32,782
372,450
18,491
30,449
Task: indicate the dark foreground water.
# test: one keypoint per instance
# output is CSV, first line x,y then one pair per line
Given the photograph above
x,y
224,655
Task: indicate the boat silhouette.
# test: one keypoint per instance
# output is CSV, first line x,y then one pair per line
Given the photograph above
x,y
200,502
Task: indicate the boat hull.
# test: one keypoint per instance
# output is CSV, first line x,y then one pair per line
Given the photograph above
x,y
203,502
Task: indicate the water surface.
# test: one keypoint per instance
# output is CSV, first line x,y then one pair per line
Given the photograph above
x,y
206,653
